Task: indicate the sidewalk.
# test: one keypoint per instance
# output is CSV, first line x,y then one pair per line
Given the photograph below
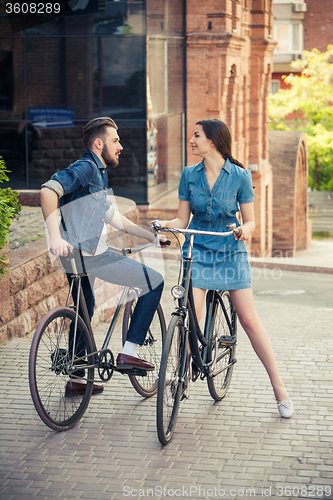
x,y
234,449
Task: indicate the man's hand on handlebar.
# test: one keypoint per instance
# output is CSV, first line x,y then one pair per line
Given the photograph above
x,y
60,247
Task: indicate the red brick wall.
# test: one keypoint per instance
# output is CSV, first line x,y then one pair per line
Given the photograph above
x,y
229,61
318,22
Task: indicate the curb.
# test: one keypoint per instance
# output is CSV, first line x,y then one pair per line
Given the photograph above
x,y
173,254
292,267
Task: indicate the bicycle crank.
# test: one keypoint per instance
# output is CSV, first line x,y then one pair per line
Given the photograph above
x,y
105,365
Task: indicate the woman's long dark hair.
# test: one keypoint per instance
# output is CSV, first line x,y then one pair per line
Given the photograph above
x,y
218,132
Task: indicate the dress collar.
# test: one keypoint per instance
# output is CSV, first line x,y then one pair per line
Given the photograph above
x,y
226,166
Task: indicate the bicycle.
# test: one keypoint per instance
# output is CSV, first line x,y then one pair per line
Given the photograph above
x,y
63,348
212,352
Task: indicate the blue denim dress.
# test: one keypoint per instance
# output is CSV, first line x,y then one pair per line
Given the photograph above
x,y
219,263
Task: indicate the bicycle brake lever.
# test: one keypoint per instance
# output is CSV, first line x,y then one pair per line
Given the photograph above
x,y
165,243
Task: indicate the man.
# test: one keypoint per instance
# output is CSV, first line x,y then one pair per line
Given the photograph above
x,y
81,192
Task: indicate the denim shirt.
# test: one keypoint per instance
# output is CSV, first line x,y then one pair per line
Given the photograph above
x,y
84,203
219,205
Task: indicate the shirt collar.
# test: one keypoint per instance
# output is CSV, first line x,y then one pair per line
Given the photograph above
x,y
90,154
226,166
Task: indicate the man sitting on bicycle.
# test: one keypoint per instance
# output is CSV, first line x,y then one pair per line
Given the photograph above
x,y
81,192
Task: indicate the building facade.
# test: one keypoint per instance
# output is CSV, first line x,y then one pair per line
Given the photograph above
x,y
229,61
156,67
98,58
298,25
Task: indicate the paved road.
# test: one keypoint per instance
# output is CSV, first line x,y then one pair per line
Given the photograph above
x,y
285,287
233,449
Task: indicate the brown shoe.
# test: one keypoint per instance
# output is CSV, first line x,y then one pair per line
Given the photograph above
x,y
126,361
79,386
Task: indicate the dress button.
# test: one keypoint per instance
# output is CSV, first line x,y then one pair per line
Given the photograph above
x,y
93,251
98,236
102,220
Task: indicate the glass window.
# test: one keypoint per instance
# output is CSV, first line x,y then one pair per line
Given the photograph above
x,y
289,38
119,76
79,17
275,86
59,71
296,37
165,103
282,37
13,151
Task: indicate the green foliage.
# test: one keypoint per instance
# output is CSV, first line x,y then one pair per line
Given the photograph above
x,y
9,209
308,106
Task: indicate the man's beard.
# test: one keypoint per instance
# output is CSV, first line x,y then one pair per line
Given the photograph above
x,y
110,162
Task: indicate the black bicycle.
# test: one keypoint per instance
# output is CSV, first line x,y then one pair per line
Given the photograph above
x,y
63,349
187,352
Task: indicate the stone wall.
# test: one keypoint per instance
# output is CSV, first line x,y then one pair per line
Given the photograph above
x,y
291,228
33,286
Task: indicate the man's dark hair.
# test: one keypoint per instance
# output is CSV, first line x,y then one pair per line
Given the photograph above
x,y
96,128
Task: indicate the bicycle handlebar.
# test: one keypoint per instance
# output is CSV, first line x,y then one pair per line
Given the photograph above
x,y
123,251
232,228
130,250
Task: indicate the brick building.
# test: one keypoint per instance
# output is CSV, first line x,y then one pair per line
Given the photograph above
x,y
229,60
156,67
298,25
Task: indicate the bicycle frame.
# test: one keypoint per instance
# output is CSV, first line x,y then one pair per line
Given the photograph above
x,y
80,302
187,311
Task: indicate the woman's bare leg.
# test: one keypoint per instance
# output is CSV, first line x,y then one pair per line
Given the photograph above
x,y
199,295
259,338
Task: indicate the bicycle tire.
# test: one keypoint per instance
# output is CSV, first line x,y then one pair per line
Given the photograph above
x,y
151,350
170,386
49,370
224,323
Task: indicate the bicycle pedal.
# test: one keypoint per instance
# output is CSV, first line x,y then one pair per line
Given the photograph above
x,y
132,371
227,340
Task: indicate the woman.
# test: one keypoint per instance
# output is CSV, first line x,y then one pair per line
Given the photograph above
x,y
212,190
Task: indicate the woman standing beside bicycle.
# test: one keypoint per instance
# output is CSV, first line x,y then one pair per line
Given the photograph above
x,y
213,191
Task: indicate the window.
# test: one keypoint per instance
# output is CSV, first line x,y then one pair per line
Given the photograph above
x,y
289,37
275,86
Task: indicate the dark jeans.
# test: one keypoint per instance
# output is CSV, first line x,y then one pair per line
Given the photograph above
x,y
121,270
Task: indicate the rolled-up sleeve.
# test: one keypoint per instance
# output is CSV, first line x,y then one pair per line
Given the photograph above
x,y
74,177
183,191
245,193
55,186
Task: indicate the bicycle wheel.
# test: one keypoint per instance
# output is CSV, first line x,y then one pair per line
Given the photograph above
x,y
224,323
151,350
170,386
52,369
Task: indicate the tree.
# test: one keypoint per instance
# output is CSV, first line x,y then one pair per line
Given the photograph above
x,y
308,106
9,209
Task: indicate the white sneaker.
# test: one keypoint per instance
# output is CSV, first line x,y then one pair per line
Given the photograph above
x,y
286,408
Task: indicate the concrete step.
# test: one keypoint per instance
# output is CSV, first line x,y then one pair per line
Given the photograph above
x,y
321,210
